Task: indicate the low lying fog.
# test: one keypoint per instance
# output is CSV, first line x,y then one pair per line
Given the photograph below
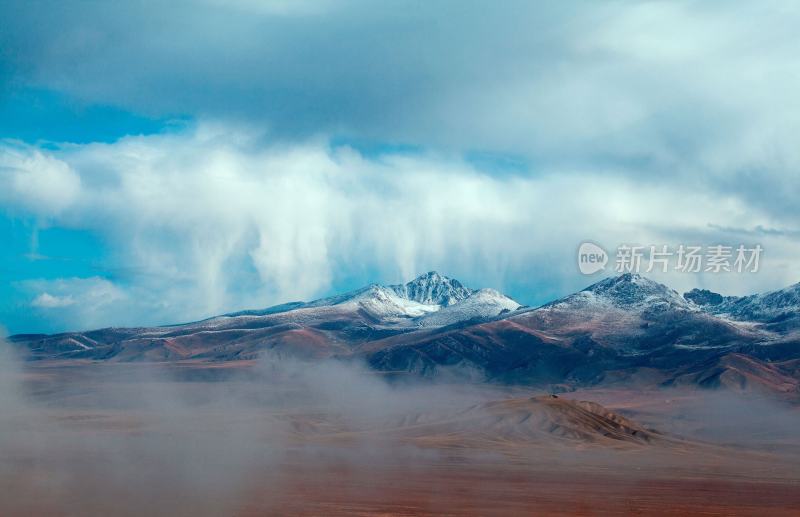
x,y
143,439
139,439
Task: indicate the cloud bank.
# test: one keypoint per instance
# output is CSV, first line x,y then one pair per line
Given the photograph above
x,y
679,89
214,218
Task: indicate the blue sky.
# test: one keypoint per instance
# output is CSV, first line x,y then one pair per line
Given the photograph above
x,y
168,163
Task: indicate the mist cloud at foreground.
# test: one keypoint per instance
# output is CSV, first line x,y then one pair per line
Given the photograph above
x,y
136,438
140,439
214,218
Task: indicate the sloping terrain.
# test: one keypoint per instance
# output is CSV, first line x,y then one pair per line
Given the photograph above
x,y
620,329
543,420
764,308
739,372
88,438
321,328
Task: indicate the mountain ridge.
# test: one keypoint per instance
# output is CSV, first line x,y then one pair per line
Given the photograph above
x,y
761,307
621,327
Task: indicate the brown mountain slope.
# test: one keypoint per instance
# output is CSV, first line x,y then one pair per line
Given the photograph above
x,y
739,372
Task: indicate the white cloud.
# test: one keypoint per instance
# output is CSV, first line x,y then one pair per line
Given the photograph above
x,y
206,221
81,303
48,301
682,86
33,181
651,122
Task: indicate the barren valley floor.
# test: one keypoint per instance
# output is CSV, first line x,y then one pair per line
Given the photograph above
x,y
105,439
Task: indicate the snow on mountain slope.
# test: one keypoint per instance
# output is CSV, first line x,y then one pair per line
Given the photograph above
x,y
275,309
633,290
765,307
384,302
629,292
429,300
634,315
485,303
399,304
433,289
616,328
426,294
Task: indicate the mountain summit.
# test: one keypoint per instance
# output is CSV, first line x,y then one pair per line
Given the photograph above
x,y
425,294
628,292
773,306
433,289
631,289
623,327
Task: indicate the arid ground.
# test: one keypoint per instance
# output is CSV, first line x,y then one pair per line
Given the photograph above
x,y
290,438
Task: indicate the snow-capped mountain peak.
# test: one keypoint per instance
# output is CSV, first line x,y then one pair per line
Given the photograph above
x,y
385,302
774,305
629,291
484,303
408,304
633,289
433,289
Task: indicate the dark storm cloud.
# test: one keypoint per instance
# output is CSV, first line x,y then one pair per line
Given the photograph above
x,y
667,91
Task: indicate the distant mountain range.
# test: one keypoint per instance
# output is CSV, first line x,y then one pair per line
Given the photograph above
x,y
622,330
776,308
